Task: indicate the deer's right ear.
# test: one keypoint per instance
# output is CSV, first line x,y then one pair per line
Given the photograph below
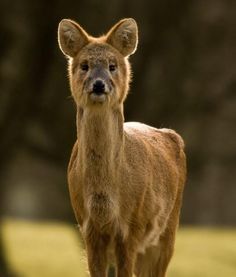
x,y
71,37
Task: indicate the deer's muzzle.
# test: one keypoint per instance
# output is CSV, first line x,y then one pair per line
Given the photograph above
x,y
99,91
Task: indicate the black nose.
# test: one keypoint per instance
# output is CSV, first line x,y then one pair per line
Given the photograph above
x,y
98,87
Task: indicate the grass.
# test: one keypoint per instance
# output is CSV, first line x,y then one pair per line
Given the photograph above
x,y
43,249
53,250
202,252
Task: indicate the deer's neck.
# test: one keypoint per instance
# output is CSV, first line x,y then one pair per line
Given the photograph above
x,y
100,142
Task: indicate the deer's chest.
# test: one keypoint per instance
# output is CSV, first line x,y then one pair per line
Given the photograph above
x,y
100,210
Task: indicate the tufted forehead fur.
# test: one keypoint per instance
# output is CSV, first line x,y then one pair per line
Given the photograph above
x,y
99,52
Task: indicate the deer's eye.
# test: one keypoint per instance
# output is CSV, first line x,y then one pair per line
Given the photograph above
x,y
112,67
84,67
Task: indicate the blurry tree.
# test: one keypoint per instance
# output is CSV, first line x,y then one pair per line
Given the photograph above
x,y
25,60
184,78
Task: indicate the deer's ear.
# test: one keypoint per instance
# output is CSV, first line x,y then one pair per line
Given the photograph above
x,y
124,36
71,37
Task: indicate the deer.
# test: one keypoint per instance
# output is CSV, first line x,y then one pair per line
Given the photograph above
x,y
125,180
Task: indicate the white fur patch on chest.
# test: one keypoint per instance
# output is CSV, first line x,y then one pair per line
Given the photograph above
x,y
101,209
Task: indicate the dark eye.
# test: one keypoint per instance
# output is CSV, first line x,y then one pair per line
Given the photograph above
x,y
112,67
84,67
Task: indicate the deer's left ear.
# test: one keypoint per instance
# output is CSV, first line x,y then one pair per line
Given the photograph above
x,y
124,36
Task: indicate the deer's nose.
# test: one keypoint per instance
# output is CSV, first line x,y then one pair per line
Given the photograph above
x,y
98,87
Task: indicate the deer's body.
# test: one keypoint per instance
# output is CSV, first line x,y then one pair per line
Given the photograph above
x,y
125,179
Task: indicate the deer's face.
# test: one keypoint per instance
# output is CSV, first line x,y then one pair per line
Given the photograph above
x,y
98,67
99,74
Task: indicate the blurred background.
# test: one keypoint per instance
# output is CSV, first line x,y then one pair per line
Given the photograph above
x,y
184,78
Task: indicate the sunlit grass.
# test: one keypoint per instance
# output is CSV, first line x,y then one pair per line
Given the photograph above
x,y
44,249
54,250
202,252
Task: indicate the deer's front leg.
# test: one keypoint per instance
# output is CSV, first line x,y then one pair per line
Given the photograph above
x,y
97,244
125,256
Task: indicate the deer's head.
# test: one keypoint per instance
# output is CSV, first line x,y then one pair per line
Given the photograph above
x,y
99,70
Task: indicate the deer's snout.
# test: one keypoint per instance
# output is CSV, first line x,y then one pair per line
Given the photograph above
x,y
99,91
98,84
98,87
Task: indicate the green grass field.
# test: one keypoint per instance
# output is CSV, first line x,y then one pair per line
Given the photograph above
x,y
54,250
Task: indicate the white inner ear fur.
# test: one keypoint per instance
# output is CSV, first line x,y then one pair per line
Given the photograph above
x,y
71,37
124,36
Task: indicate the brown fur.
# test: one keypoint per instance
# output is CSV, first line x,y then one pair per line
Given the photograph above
x,y
125,179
